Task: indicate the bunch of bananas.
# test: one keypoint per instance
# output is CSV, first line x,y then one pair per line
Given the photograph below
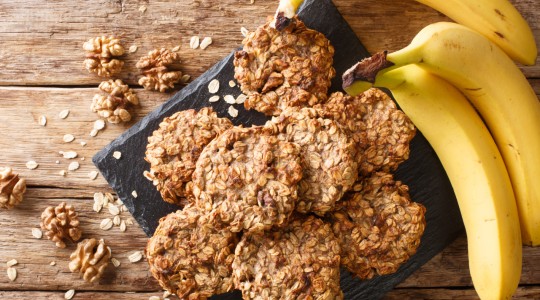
x,y
450,80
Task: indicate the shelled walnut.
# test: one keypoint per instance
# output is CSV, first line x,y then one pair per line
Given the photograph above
x,y
113,107
12,188
100,53
156,70
90,259
61,223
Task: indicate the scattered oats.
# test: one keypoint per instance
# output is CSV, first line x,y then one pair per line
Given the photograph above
x,y
99,124
194,42
244,31
185,78
233,112
98,197
42,120
68,154
68,138
251,1
93,133
116,220
241,99
123,226
83,143
129,221
12,262
109,198
213,86
207,41
133,49
62,173
114,210
154,298
93,175
117,154
134,194
229,99
214,99
115,262
37,233
53,263
82,158
64,114
57,162
175,49
73,166
69,294
166,294
142,9
97,206
12,273
106,224
232,83
135,256
32,165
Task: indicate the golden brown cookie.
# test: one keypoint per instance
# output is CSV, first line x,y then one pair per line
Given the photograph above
x,y
379,227
300,261
280,69
327,158
247,179
189,257
379,129
174,148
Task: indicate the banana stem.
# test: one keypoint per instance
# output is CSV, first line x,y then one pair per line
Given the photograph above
x,y
285,12
363,75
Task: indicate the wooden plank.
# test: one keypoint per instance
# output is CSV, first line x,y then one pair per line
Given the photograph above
x,y
24,140
44,295
42,40
457,294
449,268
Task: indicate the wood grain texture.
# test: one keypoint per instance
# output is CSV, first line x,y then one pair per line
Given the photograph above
x,y
42,40
41,74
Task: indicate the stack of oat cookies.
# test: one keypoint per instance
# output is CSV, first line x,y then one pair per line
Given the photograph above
x,y
276,210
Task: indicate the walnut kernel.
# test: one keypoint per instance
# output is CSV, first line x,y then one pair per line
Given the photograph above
x,y
113,107
12,188
155,68
90,259
61,223
100,53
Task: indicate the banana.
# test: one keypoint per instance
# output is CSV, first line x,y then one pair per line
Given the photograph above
x,y
495,86
476,170
285,12
498,20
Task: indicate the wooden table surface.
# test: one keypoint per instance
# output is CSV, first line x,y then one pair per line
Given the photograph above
x,y
41,74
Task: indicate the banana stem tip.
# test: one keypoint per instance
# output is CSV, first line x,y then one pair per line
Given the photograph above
x,y
366,70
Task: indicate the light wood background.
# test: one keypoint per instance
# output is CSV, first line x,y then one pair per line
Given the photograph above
x,y
41,74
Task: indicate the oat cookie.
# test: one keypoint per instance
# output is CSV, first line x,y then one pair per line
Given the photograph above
x,y
174,148
247,179
379,227
300,261
379,129
327,157
279,69
189,258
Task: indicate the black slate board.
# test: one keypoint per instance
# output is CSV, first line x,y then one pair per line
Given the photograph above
x,y
422,172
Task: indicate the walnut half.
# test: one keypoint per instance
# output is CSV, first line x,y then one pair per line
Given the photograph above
x,y
155,68
61,223
12,188
100,53
90,259
113,107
